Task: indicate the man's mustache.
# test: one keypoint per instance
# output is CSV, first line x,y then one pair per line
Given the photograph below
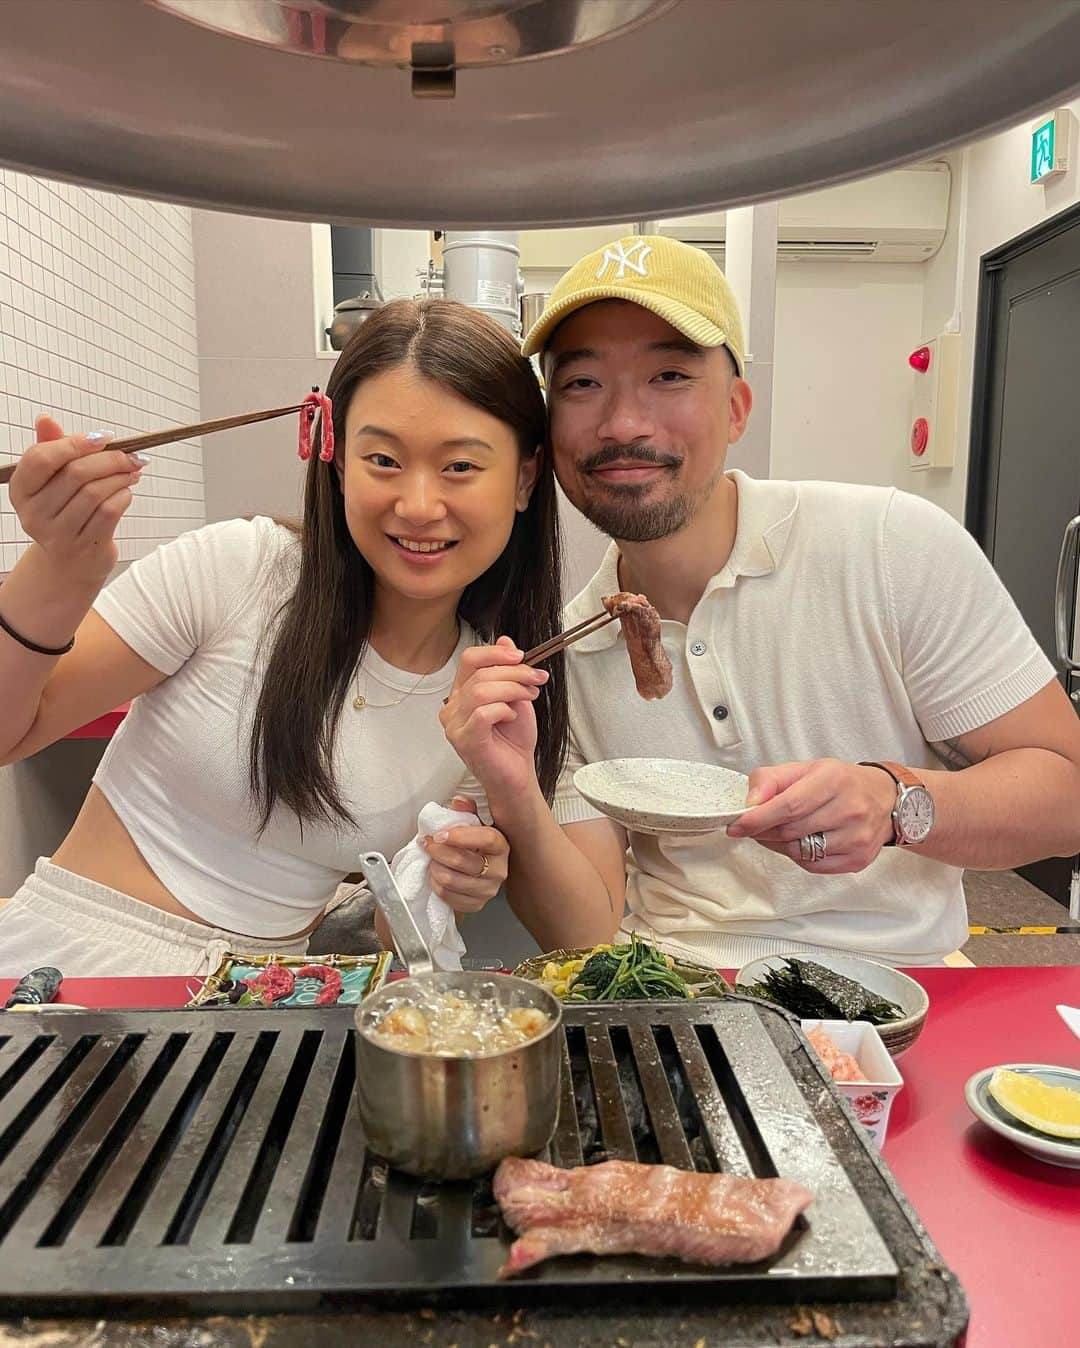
x,y
628,454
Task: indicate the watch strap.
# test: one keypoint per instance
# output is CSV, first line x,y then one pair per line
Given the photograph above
x,y
905,779
901,776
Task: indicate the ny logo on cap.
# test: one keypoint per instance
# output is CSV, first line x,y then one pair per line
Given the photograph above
x,y
621,256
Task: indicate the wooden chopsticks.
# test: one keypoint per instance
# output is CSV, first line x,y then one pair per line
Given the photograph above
x,y
150,441
567,638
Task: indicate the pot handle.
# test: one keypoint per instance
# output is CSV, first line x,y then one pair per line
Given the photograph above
x,y
411,945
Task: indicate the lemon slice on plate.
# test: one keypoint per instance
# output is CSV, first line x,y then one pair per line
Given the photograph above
x,y
1054,1110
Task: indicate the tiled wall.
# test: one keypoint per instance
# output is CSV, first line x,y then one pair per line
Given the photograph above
x,y
97,327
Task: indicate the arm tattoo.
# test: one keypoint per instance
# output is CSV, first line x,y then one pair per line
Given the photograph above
x,y
955,757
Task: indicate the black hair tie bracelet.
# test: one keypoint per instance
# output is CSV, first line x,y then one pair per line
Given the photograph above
x,y
33,645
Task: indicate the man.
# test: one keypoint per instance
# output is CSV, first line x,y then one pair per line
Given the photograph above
x,y
843,645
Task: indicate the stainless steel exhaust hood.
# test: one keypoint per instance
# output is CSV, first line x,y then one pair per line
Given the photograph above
x,y
553,111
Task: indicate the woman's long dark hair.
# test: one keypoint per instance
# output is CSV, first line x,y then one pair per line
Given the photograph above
x,y
322,629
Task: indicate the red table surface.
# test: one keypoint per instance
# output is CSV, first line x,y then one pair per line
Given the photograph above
x,y
1008,1226
104,727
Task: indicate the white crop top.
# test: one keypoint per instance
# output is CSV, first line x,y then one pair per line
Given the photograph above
x,y
176,772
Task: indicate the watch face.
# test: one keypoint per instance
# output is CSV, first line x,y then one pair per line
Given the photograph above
x,y
916,814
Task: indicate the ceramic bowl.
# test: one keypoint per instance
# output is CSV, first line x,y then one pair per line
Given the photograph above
x,y
896,1035
664,795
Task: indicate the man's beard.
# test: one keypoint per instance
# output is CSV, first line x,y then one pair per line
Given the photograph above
x,y
624,512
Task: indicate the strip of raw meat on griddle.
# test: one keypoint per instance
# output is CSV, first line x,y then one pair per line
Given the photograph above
x,y
622,1207
641,629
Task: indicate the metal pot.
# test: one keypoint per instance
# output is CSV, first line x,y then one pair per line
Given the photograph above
x,y
532,306
453,1118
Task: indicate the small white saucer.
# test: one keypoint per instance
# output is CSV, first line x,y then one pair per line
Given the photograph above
x,y
664,795
1061,1151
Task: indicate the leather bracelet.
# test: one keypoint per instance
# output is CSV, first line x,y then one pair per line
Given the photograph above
x,y
33,645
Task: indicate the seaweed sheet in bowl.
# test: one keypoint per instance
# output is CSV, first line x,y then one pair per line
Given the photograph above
x,y
893,992
700,980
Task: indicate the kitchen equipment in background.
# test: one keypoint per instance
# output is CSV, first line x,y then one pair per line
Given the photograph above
x,y
532,306
480,268
741,103
348,316
356,289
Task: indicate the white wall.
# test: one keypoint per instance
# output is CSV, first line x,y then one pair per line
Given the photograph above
x,y
995,203
97,326
255,291
841,387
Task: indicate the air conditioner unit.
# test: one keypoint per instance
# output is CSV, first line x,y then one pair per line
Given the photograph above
x,y
898,216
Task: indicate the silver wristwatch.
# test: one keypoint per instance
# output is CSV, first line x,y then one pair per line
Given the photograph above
x,y
913,813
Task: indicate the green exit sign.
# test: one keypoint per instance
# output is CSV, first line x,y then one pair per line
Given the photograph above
x,y
1049,147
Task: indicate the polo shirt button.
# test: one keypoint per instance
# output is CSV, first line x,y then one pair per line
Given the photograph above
x,y
720,713
698,648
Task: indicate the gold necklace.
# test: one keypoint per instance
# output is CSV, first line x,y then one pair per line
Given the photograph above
x,y
360,701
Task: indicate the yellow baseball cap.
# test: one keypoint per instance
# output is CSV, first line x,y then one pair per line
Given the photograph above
x,y
675,280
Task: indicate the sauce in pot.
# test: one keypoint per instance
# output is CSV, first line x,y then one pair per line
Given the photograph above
x,y
453,1024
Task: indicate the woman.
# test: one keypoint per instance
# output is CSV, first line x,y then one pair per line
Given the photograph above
x,y
287,682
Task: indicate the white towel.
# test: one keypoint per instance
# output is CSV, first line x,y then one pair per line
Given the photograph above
x,y
410,867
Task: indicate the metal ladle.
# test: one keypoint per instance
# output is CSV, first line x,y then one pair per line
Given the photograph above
x,y
408,939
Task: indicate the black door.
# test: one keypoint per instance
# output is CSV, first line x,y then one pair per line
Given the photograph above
x,y
1024,485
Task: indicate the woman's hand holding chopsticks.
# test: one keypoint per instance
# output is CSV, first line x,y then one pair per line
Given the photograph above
x,y
70,493
489,719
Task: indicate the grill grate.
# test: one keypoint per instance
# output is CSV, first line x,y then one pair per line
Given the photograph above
x,y
213,1161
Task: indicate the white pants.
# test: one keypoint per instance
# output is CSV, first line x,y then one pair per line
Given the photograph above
x,y
87,930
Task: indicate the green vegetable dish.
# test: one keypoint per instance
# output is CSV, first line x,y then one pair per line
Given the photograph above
x,y
635,971
812,992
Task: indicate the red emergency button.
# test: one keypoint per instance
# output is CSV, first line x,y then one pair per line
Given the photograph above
x,y
920,360
920,437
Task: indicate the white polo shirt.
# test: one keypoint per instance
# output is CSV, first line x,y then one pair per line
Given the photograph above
x,y
849,622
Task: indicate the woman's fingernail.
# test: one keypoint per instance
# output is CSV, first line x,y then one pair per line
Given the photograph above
x,y
98,437
442,837
139,459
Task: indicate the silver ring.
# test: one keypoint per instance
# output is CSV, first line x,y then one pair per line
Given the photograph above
x,y
806,848
819,845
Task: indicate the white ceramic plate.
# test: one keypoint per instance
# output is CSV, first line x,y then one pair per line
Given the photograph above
x,y
664,795
911,997
1061,1151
